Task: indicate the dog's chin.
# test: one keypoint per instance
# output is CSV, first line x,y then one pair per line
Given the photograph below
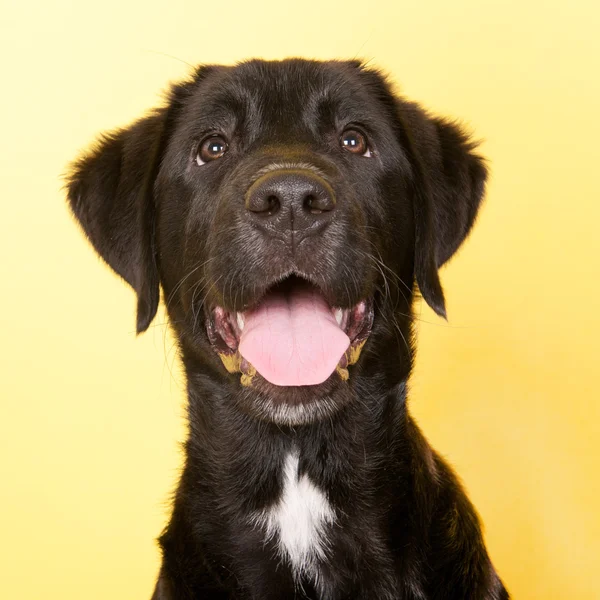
x,y
293,405
294,352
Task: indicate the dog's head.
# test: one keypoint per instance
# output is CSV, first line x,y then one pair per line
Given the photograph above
x,y
286,209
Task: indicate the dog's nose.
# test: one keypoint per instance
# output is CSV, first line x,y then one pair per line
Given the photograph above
x,y
290,200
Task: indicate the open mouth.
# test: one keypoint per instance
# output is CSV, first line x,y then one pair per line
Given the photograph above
x,y
292,337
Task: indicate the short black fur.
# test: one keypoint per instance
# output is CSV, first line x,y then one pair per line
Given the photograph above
x,y
404,527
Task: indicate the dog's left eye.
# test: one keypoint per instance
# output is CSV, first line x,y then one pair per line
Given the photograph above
x,y
356,142
211,148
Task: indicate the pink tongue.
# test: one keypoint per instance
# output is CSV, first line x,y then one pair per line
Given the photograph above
x,y
293,338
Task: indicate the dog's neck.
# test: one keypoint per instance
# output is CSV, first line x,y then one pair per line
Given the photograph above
x,y
217,427
340,474
331,451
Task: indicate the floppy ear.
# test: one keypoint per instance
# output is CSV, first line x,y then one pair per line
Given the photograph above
x,y
449,182
110,191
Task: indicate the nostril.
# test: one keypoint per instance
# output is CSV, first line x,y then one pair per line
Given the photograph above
x,y
310,204
263,203
273,205
319,203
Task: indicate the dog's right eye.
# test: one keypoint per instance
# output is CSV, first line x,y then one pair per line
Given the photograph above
x,y
211,148
356,142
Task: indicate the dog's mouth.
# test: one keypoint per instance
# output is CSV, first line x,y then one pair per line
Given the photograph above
x,y
292,336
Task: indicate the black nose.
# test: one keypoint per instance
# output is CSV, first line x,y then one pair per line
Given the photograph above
x,y
291,200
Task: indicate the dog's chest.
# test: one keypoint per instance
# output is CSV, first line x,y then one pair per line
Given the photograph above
x,y
299,521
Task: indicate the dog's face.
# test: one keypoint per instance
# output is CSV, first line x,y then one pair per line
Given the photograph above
x,y
286,208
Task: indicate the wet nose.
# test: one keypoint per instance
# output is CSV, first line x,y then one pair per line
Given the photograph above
x,y
290,200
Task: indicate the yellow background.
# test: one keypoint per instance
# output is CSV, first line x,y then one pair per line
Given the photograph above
x,y
91,417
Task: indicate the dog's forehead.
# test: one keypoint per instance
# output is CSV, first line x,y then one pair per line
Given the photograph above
x,y
299,78
292,91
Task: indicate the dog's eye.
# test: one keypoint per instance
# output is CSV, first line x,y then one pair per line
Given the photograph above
x,y
211,148
355,142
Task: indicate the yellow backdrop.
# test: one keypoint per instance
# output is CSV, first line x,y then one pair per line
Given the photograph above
x,y
91,416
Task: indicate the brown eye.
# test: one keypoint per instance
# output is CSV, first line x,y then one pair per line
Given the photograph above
x,y
211,148
355,142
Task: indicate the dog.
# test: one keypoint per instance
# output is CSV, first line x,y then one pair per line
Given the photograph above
x,y
291,211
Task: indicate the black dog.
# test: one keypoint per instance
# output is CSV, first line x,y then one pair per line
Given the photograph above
x,y
287,210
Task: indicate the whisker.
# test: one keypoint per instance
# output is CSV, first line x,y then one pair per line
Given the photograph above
x,y
169,56
196,315
183,279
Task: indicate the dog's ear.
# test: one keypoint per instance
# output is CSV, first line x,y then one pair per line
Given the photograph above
x,y
111,193
448,184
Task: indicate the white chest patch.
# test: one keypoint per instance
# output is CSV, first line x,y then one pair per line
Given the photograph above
x,y
298,521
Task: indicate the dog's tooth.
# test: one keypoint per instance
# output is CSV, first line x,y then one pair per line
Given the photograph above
x,y
240,321
339,316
